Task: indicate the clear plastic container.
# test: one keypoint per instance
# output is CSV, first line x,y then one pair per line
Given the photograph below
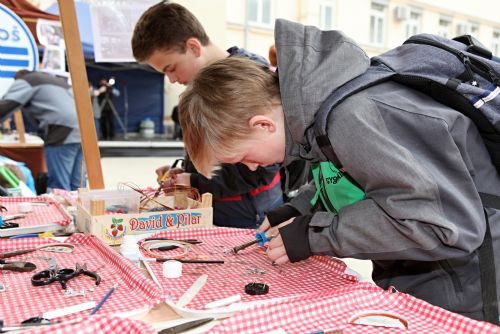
x,y
147,128
115,201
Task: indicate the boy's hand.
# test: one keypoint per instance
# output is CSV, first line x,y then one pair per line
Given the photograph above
x,y
182,179
160,171
174,176
264,226
276,249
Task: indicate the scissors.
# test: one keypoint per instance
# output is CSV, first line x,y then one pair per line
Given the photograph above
x,y
62,276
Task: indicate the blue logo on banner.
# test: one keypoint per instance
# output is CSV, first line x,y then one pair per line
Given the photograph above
x,y
18,49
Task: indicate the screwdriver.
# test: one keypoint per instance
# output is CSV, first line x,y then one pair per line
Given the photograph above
x,y
162,180
260,238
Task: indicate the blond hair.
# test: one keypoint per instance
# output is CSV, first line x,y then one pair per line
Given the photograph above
x,y
216,108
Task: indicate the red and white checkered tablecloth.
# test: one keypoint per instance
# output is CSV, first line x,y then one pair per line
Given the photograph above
x,y
52,213
249,265
71,197
22,300
332,309
98,324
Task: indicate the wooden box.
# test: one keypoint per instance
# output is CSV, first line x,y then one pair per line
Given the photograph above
x,y
111,228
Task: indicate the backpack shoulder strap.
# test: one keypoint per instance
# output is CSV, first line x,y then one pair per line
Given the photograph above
x,y
373,75
488,276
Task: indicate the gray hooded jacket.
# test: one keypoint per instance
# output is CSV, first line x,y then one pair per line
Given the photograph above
x,y
420,163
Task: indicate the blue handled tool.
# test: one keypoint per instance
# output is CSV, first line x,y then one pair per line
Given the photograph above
x,y
106,296
260,238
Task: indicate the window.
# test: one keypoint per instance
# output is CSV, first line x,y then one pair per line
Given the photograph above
x,y
474,29
377,23
325,16
495,47
413,25
444,27
259,12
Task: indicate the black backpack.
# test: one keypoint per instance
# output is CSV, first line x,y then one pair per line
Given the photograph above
x,y
460,73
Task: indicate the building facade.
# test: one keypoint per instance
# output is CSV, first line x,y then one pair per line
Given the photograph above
x,y
377,25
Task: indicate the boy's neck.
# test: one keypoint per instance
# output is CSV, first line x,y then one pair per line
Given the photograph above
x,y
214,53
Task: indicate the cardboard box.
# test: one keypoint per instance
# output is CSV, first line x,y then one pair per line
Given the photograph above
x,y
111,228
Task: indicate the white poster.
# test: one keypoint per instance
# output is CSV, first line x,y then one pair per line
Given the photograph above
x,y
53,59
50,35
17,48
112,28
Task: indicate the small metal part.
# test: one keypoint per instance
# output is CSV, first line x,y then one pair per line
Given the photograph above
x,y
3,287
69,292
255,271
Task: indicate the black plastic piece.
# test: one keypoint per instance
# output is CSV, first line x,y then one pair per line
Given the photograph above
x,y
255,289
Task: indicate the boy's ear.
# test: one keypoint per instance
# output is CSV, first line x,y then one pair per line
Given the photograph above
x,y
262,122
194,45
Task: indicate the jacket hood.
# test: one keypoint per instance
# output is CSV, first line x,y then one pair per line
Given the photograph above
x,y
311,64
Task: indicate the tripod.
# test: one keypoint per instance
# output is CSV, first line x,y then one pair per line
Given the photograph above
x,y
108,102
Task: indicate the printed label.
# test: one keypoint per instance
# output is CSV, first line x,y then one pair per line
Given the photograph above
x,y
165,221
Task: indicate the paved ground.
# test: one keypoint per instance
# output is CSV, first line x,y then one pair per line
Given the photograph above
x,y
141,171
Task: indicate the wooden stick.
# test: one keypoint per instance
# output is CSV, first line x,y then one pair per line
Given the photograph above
x,y
18,120
79,79
206,200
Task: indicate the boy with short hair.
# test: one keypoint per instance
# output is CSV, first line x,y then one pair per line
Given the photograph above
x,y
418,164
170,39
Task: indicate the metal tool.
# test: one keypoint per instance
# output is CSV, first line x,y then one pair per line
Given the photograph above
x,y
260,238
106,296
185,326
20,327
17,266
193,261
171,247
62,276
56,247
166,176
14,216
192,291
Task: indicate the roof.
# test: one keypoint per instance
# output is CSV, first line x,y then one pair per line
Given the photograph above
x,y
29,14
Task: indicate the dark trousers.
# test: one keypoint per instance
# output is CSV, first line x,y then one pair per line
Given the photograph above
x,y
107,124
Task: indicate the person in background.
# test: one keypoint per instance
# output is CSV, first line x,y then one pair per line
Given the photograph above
x,y
95,109
47,100
105,94
412,167
170,38
177,126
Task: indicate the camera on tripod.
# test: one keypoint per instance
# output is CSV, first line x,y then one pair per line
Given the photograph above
x,y
108,82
